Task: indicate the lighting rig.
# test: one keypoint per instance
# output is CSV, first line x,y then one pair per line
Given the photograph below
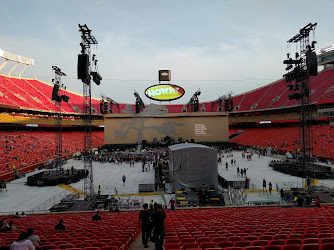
x,y
58,97
86,63
300,69
193,104
139,103
104,108
227,100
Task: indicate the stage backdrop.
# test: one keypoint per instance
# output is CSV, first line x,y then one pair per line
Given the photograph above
x,y
200,126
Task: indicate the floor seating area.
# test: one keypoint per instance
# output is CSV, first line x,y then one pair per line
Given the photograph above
x,y
24,148
115,231
253,228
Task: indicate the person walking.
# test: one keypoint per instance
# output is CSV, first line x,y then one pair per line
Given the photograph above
x,y
144,222
238,171
123,179
226,164
158,218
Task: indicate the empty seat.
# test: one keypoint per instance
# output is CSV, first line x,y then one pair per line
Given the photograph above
x,y
260,243
327,246
207,244
173,246
312,246
223,244
189,245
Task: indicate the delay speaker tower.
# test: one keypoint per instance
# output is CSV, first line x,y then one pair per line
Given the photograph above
x,y
55,92
83,67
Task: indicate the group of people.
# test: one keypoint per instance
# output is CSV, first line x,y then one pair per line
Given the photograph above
x,y
152,220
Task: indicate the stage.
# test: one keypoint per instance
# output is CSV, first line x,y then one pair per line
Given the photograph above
x,y
56,177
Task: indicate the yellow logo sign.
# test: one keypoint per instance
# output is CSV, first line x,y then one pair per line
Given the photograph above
x,y
164,92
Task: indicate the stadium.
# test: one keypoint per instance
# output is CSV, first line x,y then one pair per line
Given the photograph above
x,y
234,165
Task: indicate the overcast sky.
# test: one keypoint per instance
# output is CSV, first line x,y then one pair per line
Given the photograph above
x,y
215,45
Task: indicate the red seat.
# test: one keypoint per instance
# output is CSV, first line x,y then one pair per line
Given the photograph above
x,y
310,235
172,240
271,248
50,246
327,246
110,248
173,246
92,248
233,248
250,237
260,243
203,239
64,246
293,241
99,244
327,240
253,248
204,245
234,238
116,243
218,239
295,236
84,244
280,236
224,244
189,245
291,247
243,243
311,240
188,240
276,242
266,237
312,246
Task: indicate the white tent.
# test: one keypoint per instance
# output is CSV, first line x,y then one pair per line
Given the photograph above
x,y
192,164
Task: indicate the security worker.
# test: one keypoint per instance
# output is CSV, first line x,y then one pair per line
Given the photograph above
x,y
99,190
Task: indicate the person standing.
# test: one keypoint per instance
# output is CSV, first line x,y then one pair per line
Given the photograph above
x,y
158,218
99,190
282,194
238,171
172,203
144,222
270,187
123,179
317,202
264,185
4,185
299,201
226,164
